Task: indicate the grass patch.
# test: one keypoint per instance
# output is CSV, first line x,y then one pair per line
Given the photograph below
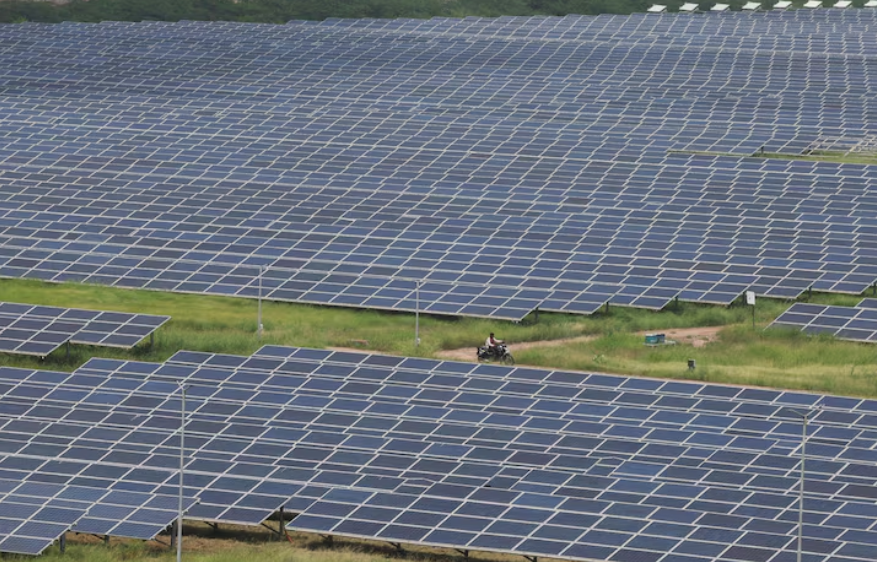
x,y
770,358
775,358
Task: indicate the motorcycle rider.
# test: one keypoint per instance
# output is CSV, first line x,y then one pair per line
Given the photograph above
x,y
492,343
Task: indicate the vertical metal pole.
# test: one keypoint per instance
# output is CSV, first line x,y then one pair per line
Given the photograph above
x,y
182,463
801,492
417,314
753,317
259,321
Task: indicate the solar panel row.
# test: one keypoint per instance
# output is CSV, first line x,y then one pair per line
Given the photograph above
x,y
27,329
843,322
34,514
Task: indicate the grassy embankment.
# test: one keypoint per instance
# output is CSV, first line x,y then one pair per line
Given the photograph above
x,y
741,355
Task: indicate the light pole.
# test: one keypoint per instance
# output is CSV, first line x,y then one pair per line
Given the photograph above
x,y
259,320
805,417
182,464
417,314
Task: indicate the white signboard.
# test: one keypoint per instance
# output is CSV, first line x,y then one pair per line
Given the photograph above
x,y
750,298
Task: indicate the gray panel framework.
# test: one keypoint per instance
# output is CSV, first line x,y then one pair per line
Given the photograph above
x,y
844,322
620,166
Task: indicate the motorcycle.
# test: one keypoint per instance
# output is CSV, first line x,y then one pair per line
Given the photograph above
x,y
499,353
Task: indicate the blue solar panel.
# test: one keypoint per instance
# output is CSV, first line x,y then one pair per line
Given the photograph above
x,y
847,323
38,330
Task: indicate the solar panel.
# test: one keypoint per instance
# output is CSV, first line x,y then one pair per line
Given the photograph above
x,y
35,514
846,323
39,330
39,337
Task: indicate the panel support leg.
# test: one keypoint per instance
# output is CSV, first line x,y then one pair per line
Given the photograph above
x,y
62,543
174,534
465,553
329,539
106,540
532,558
281,526
397,546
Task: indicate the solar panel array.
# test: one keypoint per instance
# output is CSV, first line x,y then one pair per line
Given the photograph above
x,y
506,164
35,513
843,322
470,456
27,329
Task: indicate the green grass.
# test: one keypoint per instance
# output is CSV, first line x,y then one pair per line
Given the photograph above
x,y
774,358
228,325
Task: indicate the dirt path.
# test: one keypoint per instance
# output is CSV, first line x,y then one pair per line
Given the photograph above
x,y
696,337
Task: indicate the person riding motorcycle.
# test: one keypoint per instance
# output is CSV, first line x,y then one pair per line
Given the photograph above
x,y
492,344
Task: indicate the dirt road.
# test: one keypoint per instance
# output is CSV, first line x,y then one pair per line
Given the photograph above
x,y
696,337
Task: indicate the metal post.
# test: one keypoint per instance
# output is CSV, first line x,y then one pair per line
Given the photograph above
x,y
179,528
753,317
259,321
417,314
801,492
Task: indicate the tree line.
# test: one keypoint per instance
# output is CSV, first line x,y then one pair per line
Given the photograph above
x,y
281,11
